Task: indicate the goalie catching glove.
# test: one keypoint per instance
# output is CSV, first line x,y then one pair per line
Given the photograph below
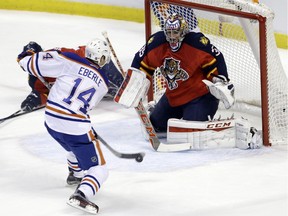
x,y
222,89
133,89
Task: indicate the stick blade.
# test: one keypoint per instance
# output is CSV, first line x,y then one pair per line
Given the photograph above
x,y
173,147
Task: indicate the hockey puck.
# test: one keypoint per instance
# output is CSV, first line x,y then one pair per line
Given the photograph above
x,y
139,158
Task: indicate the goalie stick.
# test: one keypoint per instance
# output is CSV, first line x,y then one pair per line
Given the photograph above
x,y
19,113
155,142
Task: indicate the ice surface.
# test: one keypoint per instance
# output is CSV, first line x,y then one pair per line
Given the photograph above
x,y
223,182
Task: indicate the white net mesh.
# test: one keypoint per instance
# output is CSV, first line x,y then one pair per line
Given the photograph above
x,y
238,39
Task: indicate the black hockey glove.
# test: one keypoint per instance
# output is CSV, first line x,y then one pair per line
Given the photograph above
x,y
32,101
111,92
33,46
29,49
113,74
24,54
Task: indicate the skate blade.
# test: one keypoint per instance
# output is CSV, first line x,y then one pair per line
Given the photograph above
x,y
88,208
72,184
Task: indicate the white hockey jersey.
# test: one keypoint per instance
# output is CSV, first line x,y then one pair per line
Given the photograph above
x,y
78,88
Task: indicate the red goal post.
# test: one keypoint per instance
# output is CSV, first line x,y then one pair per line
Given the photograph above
x,y
243,31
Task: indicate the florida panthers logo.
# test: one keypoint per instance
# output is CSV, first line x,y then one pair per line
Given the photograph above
x,y
172,72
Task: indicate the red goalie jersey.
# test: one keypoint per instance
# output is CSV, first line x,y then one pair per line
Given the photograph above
x,y
184,70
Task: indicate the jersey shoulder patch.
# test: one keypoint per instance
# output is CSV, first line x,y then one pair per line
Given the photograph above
x,y
156,40
197,40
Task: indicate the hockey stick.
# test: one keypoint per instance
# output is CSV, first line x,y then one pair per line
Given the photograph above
x,y
137,156
155,142
105,34
19,113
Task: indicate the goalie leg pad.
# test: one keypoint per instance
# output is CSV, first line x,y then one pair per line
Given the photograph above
x,y
214,134
133,88
202,134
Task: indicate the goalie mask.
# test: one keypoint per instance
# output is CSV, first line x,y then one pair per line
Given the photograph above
x,y
98,51
175,29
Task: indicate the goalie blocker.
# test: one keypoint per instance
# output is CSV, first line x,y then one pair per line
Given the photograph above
x,y
214,134
133,88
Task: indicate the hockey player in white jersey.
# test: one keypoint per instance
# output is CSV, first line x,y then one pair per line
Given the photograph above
x,y
80,85
39,92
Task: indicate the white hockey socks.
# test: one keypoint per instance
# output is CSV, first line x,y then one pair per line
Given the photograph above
x,y
73,165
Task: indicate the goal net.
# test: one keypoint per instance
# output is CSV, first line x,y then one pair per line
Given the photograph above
x,y
243,31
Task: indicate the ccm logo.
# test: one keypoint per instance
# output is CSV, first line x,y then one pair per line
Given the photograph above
x,y
149,129
219,125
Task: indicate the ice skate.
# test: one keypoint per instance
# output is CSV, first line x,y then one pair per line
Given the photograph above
x,y
256,140
72,180
79,201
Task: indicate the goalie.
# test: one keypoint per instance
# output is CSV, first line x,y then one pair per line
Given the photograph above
x,y
196,80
